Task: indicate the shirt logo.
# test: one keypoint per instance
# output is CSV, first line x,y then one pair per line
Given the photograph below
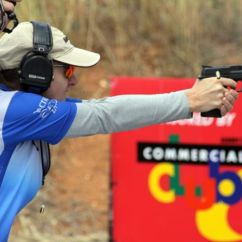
x,y
46,107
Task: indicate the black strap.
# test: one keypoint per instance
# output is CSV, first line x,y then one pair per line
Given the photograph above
x,y
42,38
44,151
46,158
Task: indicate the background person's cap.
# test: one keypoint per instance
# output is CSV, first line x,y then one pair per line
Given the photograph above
x,y
15,45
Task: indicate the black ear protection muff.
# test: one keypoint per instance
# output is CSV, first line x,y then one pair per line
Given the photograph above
x,y
36,69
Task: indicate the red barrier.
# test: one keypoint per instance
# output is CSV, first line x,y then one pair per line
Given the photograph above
x,y
180,181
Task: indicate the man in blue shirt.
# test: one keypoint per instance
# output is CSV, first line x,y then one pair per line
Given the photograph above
x,y
37,64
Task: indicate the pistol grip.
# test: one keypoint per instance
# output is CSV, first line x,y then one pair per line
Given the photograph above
x,y
215,113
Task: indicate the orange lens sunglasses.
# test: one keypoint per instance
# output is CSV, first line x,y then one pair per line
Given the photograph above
x,y
69,69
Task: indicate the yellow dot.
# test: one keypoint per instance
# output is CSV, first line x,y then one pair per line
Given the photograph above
x,y
226,187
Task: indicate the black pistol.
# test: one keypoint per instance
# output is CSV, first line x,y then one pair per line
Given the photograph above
x,y
231,71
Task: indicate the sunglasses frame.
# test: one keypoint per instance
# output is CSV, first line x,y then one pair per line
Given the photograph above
x,y
69,69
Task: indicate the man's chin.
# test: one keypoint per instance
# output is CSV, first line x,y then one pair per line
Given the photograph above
x,y
61,98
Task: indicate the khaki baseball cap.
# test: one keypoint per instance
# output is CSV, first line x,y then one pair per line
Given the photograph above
x,y
15,45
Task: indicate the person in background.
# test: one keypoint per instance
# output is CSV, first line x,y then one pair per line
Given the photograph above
x,y
9,5
37,70
7,14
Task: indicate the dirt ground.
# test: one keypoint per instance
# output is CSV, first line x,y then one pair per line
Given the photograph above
x,y
76,193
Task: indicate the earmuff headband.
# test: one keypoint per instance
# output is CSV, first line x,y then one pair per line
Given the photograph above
x,y
42,38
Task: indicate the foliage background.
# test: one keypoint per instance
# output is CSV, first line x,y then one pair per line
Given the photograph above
x,y
135,38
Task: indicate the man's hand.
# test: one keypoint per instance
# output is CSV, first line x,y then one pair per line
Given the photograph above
x,y
211,93
228,101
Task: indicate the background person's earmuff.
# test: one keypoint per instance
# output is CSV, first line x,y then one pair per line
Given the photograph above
x,y
36,69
